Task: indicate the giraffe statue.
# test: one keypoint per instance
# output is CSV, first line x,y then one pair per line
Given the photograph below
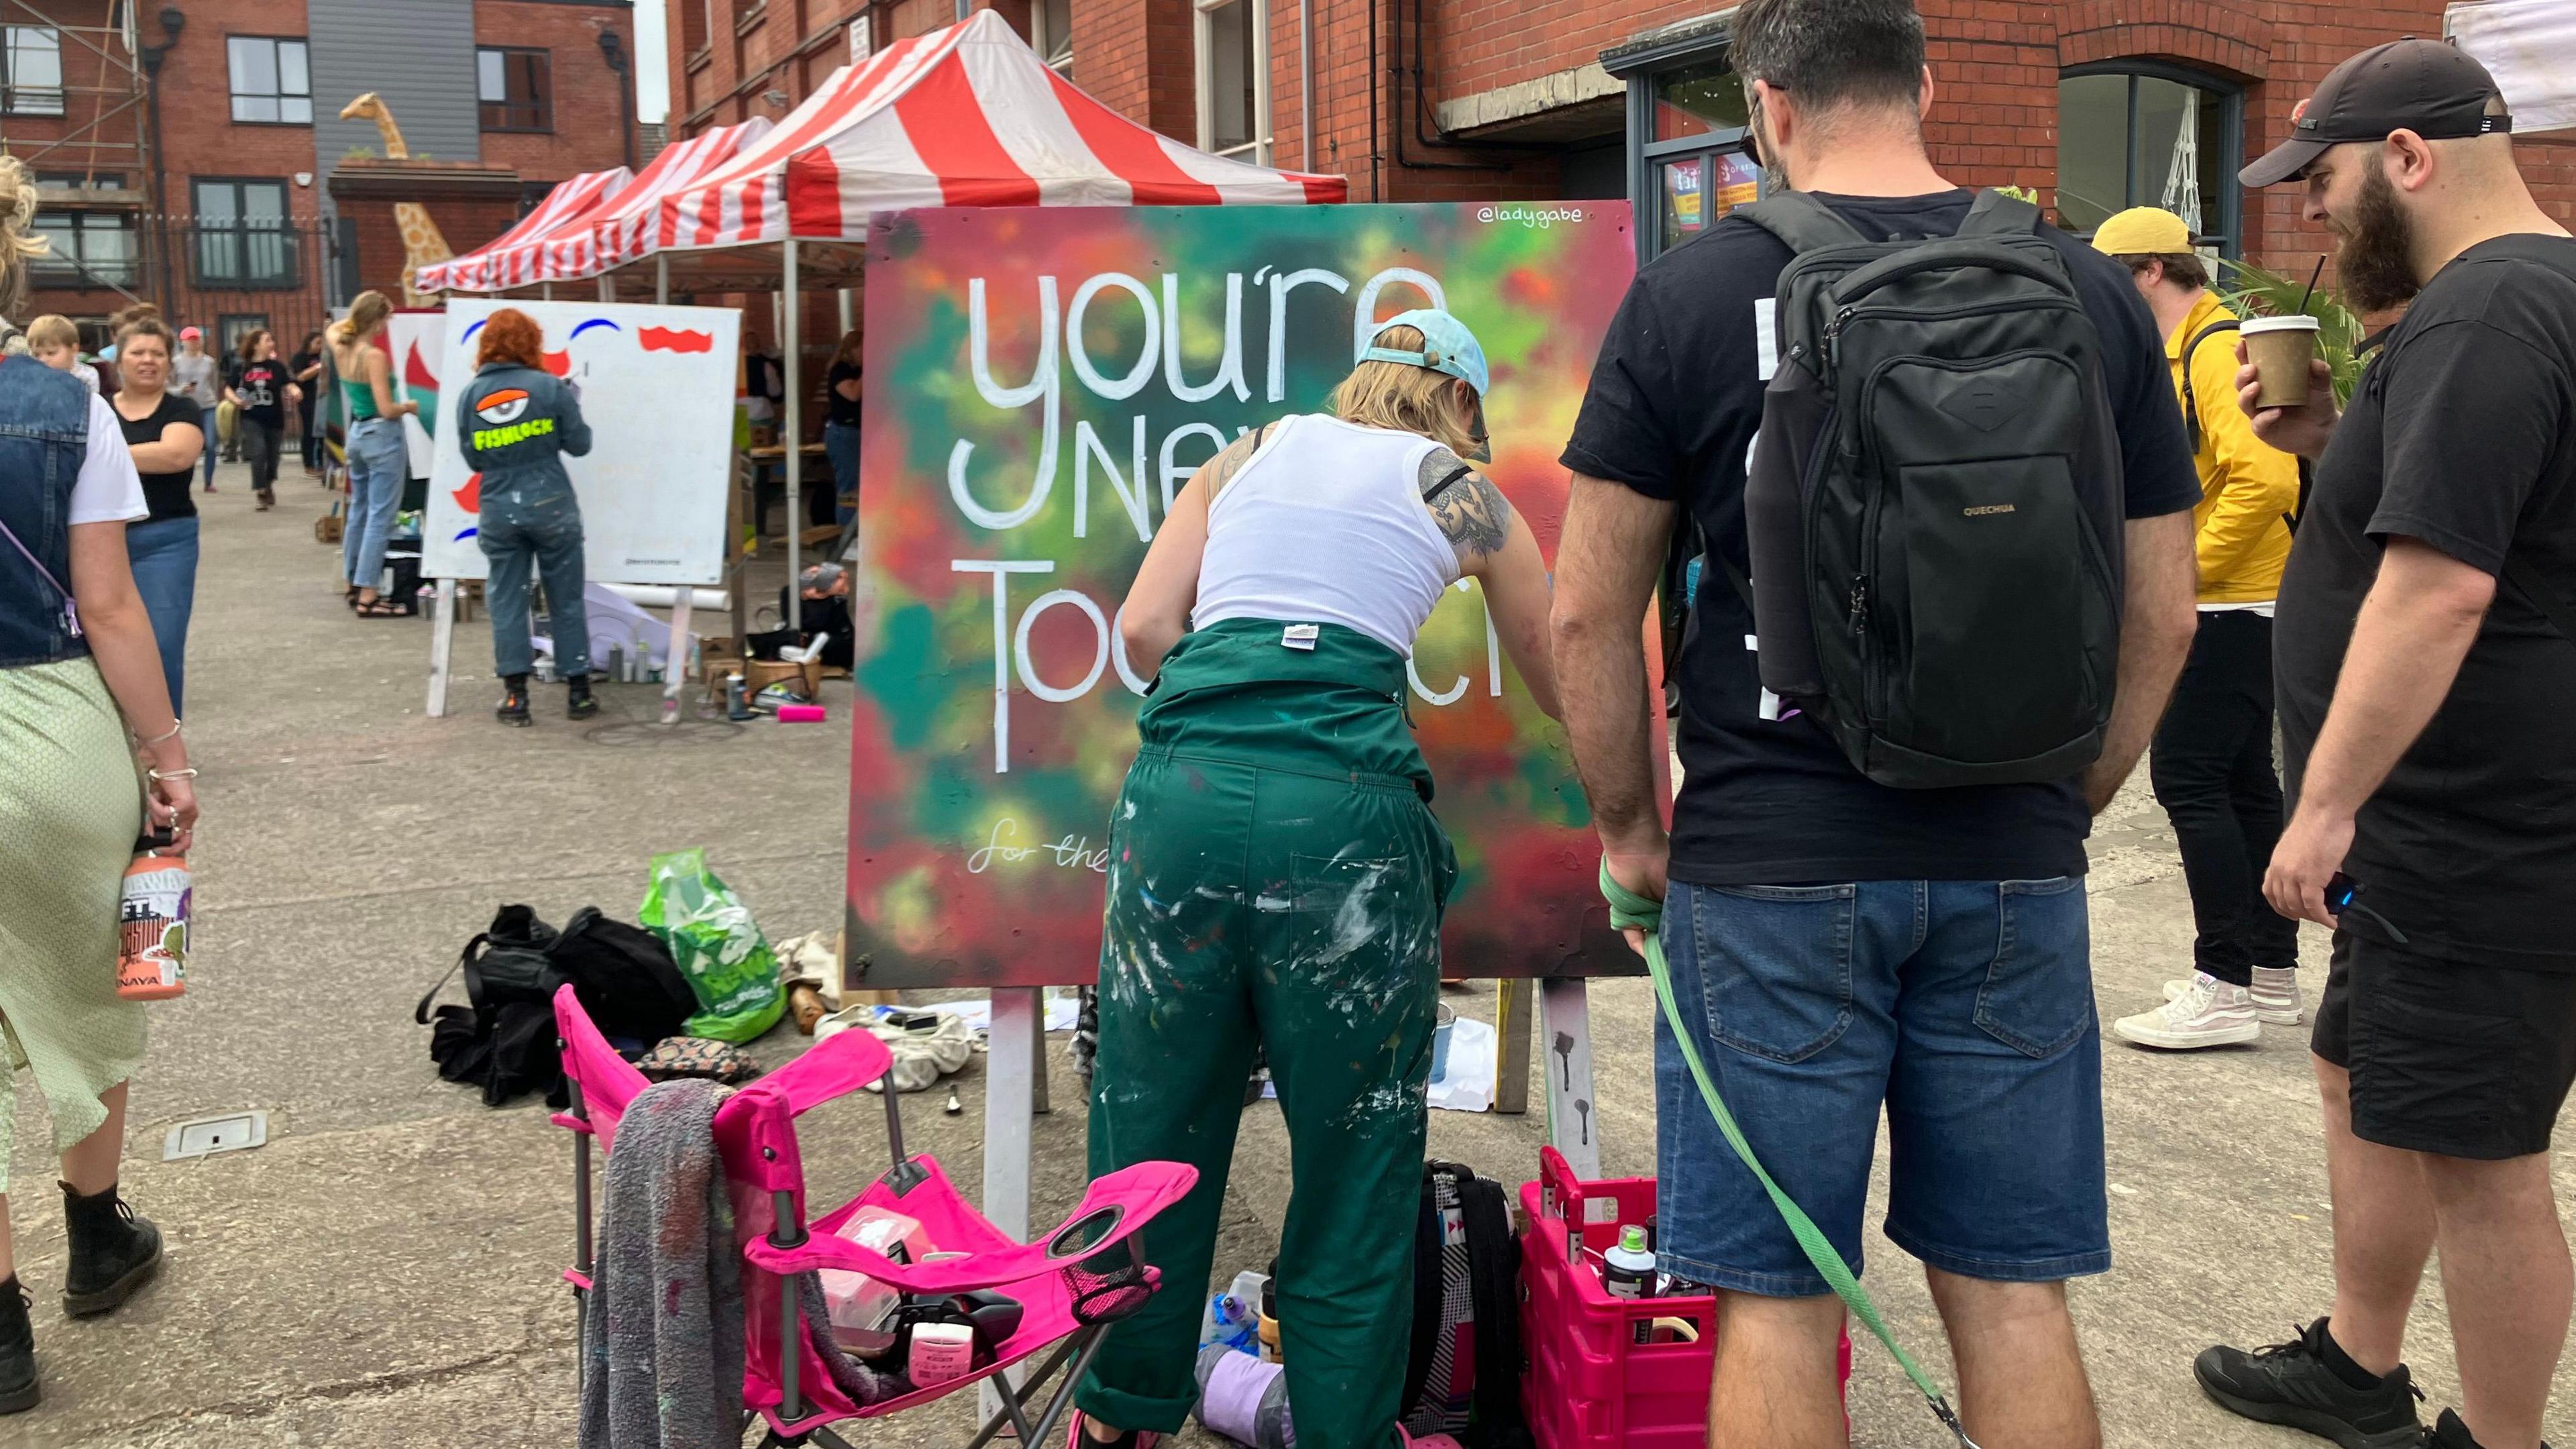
x,y
422,243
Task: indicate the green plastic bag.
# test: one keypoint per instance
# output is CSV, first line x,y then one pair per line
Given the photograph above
x,y
719,949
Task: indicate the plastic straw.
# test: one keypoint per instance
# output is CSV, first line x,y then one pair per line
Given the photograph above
x,y
2312,282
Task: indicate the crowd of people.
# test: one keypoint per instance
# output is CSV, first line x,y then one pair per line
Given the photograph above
x,y
1855,931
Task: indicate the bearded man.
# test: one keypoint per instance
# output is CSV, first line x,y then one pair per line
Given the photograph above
x,y
2425,662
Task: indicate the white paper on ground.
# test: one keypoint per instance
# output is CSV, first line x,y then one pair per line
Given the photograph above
x,y
1061,1012
1469,1086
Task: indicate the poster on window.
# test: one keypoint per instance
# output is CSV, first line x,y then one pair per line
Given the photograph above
x,y
656,386
1039,384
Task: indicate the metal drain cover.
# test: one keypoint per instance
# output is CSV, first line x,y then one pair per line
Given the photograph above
x,y
207,1136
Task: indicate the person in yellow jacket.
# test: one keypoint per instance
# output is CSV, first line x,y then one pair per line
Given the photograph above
x,y
2212,760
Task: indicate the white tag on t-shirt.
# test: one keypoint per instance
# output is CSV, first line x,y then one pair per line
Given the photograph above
x,y
1766,337
1300,636
1770,702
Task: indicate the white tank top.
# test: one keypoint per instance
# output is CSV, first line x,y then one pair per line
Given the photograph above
x,y
1326,524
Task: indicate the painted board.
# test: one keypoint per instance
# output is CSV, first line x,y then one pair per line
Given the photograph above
x,y
657,390
1039,383
417,341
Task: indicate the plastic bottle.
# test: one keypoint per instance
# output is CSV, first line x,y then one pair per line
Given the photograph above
x,y
1244,1398
152,958
1628,1271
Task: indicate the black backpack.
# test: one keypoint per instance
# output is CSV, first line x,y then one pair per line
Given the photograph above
x,y
1934,507
625,978
504,1042
1466,1276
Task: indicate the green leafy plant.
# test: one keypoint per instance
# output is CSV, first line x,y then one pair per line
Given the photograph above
x,y
2261,292
359,153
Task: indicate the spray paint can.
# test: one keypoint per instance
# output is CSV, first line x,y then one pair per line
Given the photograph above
x,y
1628,1271
152,919
735,705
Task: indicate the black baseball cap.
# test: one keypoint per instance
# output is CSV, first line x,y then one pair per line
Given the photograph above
x,y
2434,89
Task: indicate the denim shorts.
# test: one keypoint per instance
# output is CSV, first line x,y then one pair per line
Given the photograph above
x,y
1965,1006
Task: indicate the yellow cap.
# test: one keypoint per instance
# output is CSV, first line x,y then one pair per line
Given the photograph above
x,y
2143,231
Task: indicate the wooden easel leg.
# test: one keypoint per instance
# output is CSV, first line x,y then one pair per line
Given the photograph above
x,y
1512,1003
675,663
442,644
1565,1028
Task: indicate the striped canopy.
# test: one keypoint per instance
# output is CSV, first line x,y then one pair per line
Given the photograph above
x,y
962,116
506,260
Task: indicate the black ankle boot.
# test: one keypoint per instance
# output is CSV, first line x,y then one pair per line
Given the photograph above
x,y
513,708
18,1392
113,1252
578,704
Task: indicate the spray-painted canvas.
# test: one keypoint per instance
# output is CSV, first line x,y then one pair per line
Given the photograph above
x,y
1039,384
656,387
417,341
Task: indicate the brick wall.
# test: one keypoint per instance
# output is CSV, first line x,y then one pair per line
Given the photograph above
x,y
587,105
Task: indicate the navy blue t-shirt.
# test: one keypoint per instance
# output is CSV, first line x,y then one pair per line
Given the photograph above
x,y
1674,404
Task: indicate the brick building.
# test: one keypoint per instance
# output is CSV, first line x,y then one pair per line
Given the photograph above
x,y
2096,104
192,152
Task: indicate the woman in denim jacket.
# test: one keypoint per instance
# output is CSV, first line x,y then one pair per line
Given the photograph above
x,y
517,422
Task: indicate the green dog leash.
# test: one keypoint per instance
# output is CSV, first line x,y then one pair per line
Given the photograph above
x,y
1631,911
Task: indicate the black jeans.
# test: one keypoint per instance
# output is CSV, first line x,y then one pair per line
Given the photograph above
x,y
259,442
2212,771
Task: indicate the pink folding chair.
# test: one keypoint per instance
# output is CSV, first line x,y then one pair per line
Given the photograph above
x,y
1071,1285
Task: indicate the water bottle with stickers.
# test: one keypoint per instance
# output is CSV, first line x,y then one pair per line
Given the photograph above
x,y
152,922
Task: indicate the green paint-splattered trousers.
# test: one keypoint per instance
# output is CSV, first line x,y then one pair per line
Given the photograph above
x,y
1276,876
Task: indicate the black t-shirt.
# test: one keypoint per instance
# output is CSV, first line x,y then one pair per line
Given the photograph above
x,y
262,388
2462,436
1675,402
166,493
839,409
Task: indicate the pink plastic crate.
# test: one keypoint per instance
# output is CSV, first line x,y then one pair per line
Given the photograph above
x,y
1590,1384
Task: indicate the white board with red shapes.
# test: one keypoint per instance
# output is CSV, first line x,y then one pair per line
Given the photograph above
x,y
656,386
417,340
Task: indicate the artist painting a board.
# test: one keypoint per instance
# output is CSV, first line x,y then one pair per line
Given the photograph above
x,y
655,384
1048,399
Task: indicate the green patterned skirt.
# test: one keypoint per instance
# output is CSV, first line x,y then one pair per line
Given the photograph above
x,y
69,814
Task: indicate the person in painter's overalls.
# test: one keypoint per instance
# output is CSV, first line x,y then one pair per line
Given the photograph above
x,y
516,423
1276,875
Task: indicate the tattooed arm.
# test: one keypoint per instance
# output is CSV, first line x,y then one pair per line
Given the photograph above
x,y
1158,606
1496,548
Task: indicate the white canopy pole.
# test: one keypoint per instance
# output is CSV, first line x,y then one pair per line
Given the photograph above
x,y
662,277
791,434
849,314
607,287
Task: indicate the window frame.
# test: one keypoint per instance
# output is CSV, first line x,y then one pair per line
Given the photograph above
x,y
78,271
282,95
242,231
1046,44
9,87
1255,148
2228,236
544,103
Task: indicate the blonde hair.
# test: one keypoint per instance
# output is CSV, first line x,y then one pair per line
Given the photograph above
x,y
366,310
1406,398
53,330
18,239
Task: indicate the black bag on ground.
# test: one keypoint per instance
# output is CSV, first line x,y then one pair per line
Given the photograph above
x,y
1934,509
505,1041
1466,1291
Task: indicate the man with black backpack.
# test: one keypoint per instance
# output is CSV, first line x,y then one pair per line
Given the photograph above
x,y
2426,663
1965,554
2212,764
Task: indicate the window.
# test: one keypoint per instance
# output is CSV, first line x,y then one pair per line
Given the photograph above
x,y
82,180
1234,78
232,327
90,249
34,84
271,83
1051,24
516,88
241,235
2143,134
1696,166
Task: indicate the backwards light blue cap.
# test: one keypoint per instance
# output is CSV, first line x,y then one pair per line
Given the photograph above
x,y
1447,346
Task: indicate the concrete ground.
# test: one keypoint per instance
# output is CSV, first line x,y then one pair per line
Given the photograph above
x,y
383,1273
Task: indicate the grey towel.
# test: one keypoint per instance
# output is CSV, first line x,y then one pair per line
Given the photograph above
x,y
662,1329
662,1334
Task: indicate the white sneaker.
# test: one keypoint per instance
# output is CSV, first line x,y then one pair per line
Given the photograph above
x,y
2276,995
2209,1012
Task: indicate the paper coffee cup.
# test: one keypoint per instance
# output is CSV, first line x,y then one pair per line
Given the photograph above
x,y
2281,349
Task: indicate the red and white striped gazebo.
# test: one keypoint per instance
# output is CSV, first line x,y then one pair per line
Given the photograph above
x,y
505,260
962,116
